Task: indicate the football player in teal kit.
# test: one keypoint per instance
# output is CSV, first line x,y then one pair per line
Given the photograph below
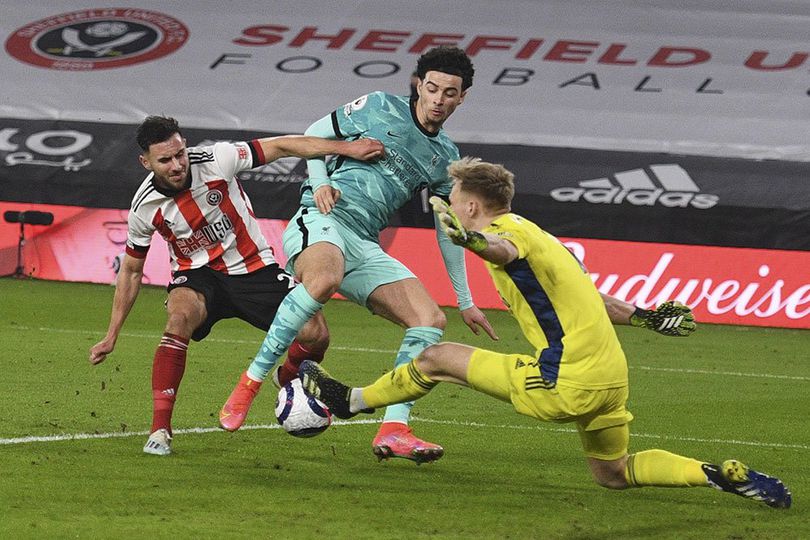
x,y
332,241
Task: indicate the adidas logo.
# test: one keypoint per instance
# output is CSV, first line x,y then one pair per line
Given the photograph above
x,y
637,187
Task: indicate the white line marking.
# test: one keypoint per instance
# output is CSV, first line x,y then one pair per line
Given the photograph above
x,y
730,373
393,352
114,435
632,434
120,434
149,335
84,436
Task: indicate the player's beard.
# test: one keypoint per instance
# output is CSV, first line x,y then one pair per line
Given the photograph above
x,y
168,185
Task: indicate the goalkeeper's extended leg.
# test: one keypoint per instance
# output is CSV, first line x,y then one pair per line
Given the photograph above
x,y
336,395
661,468
405,383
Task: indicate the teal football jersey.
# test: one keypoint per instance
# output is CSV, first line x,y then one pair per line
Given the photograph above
x,y
415,159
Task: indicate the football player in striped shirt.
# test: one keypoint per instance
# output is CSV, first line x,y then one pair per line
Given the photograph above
x,y
221,264
578,372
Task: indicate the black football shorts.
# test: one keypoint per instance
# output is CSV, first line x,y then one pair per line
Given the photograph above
x,y
253,297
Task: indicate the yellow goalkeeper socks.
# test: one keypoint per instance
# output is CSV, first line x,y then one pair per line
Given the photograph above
x,y
663,469
405,383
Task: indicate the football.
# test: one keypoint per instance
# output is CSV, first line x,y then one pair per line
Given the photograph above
x,y
299,413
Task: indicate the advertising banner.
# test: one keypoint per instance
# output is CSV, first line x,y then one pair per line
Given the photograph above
x,y
695,77
603,194
723,285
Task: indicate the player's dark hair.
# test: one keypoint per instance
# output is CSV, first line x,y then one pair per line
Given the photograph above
x,y
450,60
494,183
156,129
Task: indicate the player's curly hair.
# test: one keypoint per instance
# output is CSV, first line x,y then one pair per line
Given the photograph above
x,y
450,60
156,129
494,183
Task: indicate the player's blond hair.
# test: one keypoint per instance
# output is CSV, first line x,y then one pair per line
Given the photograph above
x,y
492,182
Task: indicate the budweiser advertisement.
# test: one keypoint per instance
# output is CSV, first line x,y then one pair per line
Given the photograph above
x,y
740,286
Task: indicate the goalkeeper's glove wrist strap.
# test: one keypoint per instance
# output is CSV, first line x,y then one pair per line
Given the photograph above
x,y
639,317
476,242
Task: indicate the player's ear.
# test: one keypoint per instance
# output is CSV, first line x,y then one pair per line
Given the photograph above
x,y
145,162
473,207
462,96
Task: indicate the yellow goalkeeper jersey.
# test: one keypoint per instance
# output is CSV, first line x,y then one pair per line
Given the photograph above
x,y
558,309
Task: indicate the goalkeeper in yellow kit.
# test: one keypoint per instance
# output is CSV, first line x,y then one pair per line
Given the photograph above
x,y
578,373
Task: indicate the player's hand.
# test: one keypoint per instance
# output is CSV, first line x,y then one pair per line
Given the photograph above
x,y
326,197
455,231
449,221
475,319
670,319
365,150
100,350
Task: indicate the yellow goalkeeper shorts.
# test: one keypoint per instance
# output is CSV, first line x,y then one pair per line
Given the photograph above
x,y
601,416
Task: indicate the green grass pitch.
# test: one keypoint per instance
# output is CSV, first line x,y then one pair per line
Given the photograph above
x,y
71,435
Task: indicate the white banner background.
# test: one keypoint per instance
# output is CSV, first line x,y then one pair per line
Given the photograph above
x,y
557,73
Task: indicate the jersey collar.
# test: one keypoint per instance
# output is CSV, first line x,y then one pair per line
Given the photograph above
x,y
171,192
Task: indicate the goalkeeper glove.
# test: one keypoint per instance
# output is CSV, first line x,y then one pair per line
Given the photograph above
x,y
455,231
670,319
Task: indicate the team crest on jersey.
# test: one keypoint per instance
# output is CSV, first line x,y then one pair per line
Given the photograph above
x,y
179,280
355,105
433,162
214,197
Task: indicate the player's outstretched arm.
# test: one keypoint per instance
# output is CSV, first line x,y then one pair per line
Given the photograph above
x,y
127,287
487,246
306,146
671,318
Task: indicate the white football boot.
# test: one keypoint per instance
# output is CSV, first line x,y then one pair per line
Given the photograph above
x,y
159,443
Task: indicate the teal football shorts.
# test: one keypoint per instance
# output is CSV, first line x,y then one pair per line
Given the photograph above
x,y
367,265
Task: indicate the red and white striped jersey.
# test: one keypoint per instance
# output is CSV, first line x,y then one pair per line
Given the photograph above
x,y
210,223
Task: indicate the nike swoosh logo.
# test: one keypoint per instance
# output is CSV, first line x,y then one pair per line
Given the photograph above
x,y
392,134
